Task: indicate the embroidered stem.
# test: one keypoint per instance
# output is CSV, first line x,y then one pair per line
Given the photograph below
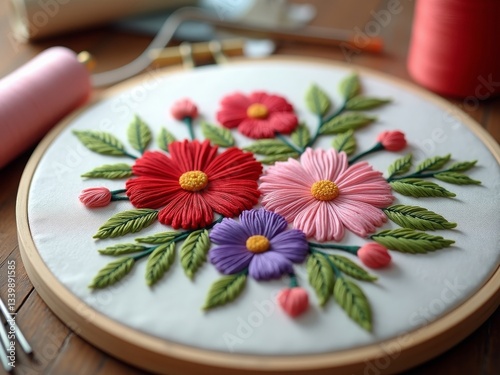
x,y
210,226
293,280
189,123
244,272
349,249
417,175
116,197
288,143
377,147
322,122
129,155
334,267
180,237
144,253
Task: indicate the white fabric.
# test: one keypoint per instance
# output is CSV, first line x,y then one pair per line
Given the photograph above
x,y
416,289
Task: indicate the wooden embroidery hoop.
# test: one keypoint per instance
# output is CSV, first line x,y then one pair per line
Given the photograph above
x,y
160,356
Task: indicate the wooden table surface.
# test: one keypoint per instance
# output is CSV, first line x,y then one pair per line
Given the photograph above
x,y
57,349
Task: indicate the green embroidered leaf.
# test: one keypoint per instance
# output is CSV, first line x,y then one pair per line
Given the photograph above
x,y
100,142
158,238
350,86
359,103
139,134
352,269
317,100
345,122
400,166
269,147
352,299
433,164
159,262
462,166
456,178
112,273
225,290
125,222
321,277
122,249
410,241
301,136
345,142
415,217
194,251
414,187
270,160
110,171
164,139
217,135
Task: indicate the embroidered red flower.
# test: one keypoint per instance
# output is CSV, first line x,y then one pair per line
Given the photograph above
x,y
193,182
258,115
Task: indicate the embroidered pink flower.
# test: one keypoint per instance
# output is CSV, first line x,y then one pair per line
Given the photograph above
x,y
258,115
184,108
374,255
95,197
294,301
322,195
392,140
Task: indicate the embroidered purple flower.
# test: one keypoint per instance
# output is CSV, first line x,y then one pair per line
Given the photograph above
x,y
259,241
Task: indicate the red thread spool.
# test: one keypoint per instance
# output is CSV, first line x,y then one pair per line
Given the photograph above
x,y
455,47
36,96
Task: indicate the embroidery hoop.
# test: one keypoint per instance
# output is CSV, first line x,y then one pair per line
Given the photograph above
x,y
158,355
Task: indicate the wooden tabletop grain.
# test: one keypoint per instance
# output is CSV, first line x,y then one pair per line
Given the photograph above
x,y
57,349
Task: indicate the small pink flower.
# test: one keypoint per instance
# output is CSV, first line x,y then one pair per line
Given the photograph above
x,y
184,108
374,255
392,140
294,301
95,197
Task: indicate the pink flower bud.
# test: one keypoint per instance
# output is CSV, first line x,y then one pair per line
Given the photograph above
x,y
184,108
294,301
374,255
392,140
95,197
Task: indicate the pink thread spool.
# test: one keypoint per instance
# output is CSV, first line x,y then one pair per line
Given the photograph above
x,y
36,96
454,47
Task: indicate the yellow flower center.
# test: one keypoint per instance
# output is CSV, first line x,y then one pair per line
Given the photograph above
x,y
193,181
257,244
257,110
324,190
